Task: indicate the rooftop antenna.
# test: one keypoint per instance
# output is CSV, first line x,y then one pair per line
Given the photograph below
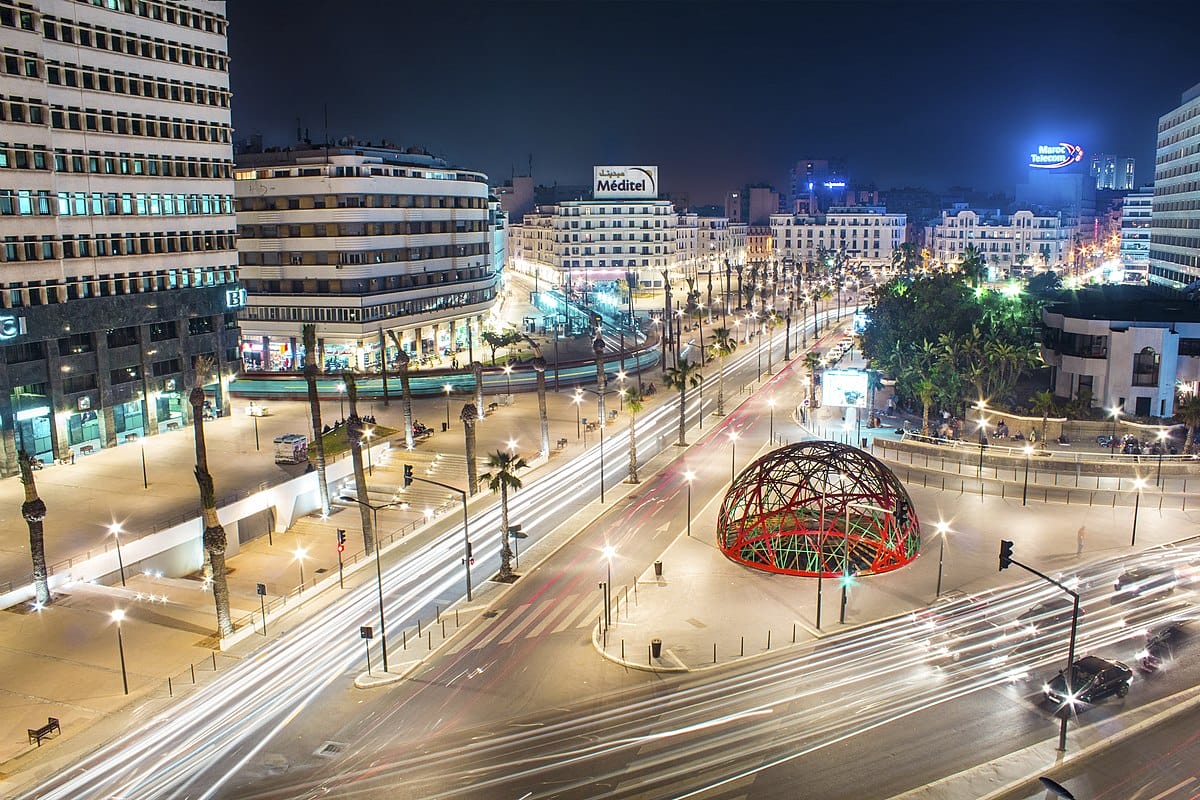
x,y
531,165
299,136
327,133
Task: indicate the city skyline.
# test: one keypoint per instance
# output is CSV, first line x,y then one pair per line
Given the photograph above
x,y
721,95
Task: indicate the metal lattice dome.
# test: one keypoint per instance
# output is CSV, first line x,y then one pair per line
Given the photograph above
x,y
818,508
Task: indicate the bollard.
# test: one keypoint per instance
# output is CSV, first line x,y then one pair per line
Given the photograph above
x,y
419,626
649,656
658,569
743,649
192,667
456,617
170,689
404,634
714,652
214,658
768,638
430,635
622,649
793,633
437,613
443,629
635,590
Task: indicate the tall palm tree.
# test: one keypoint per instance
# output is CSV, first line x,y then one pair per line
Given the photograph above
x,y
723,345
539,367
812,361
502,478
1189,411
635,404
1043,403
469,417
477,371
309,332
926,390
354,435
601,383
973,265
402,363
34,512
684,375
214,532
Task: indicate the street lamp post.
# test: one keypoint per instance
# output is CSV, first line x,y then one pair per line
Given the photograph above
x,y
256,446
688,476
942,529
1162,445
341,387
118,615
609,551
146,479
1115,413
446,388
577,399
378,569
732,455
300,553
601,463
982,443
1138,485
771,404
508,381
369,432
115,530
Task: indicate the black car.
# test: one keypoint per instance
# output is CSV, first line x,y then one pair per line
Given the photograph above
x,y
1145,580
1094,679
1053,612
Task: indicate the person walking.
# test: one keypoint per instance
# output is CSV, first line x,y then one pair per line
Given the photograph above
x,y
1079,536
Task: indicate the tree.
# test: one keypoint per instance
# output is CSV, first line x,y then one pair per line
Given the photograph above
x,y
502,478
926,390
973,265
1044,404
539,367
1188,410
681,377
812,361
354,435
34,512
724,346
469,417
309,333
635,403
494,341
402,362
477,372
214,532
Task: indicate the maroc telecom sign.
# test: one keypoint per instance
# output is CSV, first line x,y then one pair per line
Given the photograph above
x,y
1054,156
620,183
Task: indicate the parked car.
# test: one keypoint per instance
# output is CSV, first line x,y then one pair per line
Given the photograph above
x,y
1093,679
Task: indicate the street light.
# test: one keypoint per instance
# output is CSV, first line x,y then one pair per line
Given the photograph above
x,y
369,432
771,403
577,399
733,437
688,476
299,555
1114,412
146,480
379,569
1162,445
1025,488
982,442
341,387
115,530
1138,485
608,552
118,615
942,529
508,381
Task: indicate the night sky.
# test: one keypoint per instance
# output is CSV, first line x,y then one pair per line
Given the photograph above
x,y
719,94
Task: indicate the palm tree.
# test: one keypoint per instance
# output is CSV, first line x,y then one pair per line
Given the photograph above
x,y
469,417
723,345
214,533
1043,403
973,265
680,377
34,512
926,390
539,367
598,350
635,403
812,361
309,332
354,434
477,371
1189,411
406,395
502,478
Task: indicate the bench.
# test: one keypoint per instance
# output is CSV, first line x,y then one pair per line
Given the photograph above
x,y
37,734
492,407
562,444
87,449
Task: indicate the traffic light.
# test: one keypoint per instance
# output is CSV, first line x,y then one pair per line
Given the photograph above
x,y
341,540
470,558
902,514
408,476
1006,551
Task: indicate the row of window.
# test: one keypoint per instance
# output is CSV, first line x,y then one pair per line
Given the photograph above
x,y
27,156
20,109
1174,172
292,202
1188,223
362,286
132,124
314,229
575,211
657,263
78,343
100,245
132,44
171,13
1176,205
103,80
387,311
1172,275
1192,242
397,255
25,202
1182,259
115,285
343,171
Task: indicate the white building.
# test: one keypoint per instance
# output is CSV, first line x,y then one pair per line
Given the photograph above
x,y
1175,223
1135,232
868,234
365,242
1011,243
116,193
1126,345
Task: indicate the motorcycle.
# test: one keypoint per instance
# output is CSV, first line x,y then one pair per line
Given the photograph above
x,y
1151,659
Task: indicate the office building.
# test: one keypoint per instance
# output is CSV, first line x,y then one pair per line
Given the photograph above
x,y
1112,172
1175,218
116,189
372,244
1135,232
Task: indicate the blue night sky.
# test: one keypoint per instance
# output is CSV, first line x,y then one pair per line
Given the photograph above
x,y
719,93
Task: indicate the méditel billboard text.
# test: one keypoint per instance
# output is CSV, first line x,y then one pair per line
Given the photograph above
x,y
844,387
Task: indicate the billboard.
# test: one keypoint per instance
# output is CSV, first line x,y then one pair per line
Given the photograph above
x,y
1054,156
625,183
844,387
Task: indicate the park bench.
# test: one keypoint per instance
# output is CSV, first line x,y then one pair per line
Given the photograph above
x,y
562,444
37,734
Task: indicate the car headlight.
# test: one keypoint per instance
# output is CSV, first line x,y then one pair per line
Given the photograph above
x,y
1045,688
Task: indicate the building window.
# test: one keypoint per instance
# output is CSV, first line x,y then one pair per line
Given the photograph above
x,y
1145,368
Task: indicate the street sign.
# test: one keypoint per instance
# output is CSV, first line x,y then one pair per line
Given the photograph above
x,y
262,589
366,632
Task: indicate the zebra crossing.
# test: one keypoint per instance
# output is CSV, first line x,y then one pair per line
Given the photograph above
x,y
530,620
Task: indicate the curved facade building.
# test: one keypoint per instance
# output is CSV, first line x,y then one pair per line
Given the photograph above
x,y
372,244
818,508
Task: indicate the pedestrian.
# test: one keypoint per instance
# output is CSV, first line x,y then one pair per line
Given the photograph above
x,y
1079,536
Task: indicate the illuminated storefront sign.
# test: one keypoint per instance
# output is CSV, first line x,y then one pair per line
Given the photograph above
x,y
11,327
235,298
625,183
835,184
1053,156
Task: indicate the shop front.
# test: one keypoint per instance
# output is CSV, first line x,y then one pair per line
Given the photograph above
x,y
169,407
84,435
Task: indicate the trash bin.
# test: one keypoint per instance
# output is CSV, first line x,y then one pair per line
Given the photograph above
x,y
445,427
864,443
656,648
658,569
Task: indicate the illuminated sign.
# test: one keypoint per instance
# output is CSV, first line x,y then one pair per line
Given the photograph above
x,y
844,387
618,183
835,184
1053,156
235,298
32,413
11,327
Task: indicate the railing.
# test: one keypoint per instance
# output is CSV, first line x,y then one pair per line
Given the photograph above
x,y
1043,454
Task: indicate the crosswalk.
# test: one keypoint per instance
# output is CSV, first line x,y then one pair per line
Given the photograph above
x,y
531,620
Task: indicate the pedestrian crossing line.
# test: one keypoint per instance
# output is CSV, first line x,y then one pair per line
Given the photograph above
x,y
518,613
585,611
517,630
463,641
564,606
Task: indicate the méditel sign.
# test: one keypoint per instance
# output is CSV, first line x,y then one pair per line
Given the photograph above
x,y
625,183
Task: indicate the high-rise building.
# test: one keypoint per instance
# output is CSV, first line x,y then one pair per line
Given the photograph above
x,y
116,189
373,244
752,205
1135,231
1112,172
1175,219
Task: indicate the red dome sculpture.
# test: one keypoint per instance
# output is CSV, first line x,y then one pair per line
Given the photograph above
x,y
818,508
